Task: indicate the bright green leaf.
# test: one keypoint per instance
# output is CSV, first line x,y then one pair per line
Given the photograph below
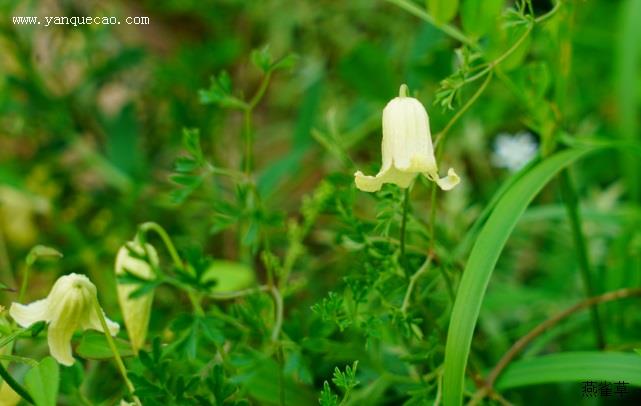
x,y
478,16
94,346
572,367
442,10
42,382
481,262
229,276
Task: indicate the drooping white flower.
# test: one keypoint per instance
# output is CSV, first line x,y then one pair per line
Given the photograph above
x,y
136,311
513,151
69,307
406,148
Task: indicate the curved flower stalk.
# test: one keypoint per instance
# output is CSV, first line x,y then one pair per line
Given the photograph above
x,y
407,148
69,307
136,311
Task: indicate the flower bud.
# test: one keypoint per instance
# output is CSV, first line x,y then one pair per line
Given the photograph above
x,y
136,311
406,148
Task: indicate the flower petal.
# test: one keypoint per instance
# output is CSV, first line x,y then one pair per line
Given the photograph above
x,y
446,183
93,323
59,339
391,175
26,315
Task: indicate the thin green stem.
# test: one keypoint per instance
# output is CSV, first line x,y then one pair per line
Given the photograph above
x,y
19,389
410,287
5,262
22,360
194,297
406,203
513,48
249,142
278,322
571,200
235,294
422,14
540,19
26,270
9,338
171,248
261,91
114,350
281,376
462,110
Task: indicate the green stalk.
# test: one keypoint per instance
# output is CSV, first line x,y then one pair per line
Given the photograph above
x,y
114,350
19,389
173,253
406,203
155,227
25,282
446,28
571,200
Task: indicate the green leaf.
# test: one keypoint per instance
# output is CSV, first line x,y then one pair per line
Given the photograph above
x,y
228,276
572,367
191,142
327,398
286,62
477,17
481,262
346,380
442,10
94,346
42,382
262,58
41,251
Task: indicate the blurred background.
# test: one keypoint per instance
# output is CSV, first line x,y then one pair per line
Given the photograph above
x,y
92,121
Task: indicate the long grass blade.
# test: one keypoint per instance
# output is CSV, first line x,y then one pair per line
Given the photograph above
x,y
483,258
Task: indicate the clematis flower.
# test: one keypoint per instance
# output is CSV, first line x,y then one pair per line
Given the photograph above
x,y
69,307
135,311
407,148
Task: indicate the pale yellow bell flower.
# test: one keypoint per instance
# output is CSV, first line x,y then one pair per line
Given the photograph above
x,y
406,148
70,306
135,311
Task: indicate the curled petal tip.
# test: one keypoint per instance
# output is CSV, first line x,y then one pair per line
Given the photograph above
x,y
448,182
367,183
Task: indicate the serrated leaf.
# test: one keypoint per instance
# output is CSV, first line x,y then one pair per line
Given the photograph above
x,y
327,398
191,142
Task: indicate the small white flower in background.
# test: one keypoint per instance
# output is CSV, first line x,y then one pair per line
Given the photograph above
x,y
514,151
135,311
406,148
69,307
